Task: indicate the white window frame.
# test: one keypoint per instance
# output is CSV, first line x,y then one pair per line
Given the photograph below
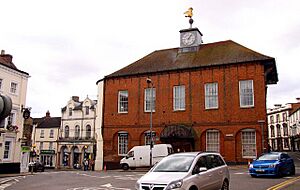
x,y
8,149
213,140
77,132
147,100
70,111
122,143
87,110
211,95
88,133
179,98
42,135
51,135
67,131
123,101
12,117
246,91
13,90
248,138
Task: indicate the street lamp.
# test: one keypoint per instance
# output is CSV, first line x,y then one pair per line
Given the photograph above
x,y
261,122
149,82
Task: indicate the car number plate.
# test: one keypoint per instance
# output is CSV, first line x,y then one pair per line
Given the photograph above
x,y
260,170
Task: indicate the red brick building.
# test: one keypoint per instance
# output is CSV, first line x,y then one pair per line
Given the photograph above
x,y
205,97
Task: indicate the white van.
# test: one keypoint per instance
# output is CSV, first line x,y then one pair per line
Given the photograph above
x,y
139,156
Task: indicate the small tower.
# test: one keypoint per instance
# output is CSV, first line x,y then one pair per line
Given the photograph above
x,y
190,38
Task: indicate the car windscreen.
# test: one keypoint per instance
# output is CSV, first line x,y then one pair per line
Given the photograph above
x,y
178,163
269,157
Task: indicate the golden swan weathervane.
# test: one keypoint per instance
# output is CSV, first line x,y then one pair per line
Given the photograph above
x,y
189,13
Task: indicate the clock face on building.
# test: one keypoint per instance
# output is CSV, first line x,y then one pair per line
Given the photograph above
x,y
188,38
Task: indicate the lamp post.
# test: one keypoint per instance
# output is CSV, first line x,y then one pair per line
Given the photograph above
x,y
261,122
149,82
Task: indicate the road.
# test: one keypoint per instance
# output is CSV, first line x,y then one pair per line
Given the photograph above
x,y
123,180
118,180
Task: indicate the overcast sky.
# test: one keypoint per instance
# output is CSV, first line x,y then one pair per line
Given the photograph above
x,y
67,45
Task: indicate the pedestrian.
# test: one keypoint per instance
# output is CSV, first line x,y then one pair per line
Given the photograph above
x,y
92,163
85,164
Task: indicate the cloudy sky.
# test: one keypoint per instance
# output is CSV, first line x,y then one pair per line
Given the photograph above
x,y
66,46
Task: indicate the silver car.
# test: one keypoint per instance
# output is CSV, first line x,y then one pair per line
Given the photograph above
x,y
187,171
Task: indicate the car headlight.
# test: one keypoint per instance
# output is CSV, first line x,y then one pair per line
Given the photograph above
x,y
174,184
137,185
251,166
272,166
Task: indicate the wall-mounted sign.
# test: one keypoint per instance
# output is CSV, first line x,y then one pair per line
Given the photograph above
x,y
47,152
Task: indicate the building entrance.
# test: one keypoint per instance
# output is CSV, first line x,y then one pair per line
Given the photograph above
x,y
180,137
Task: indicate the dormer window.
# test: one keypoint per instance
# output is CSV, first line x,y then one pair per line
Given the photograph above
x,y
87,110
70,111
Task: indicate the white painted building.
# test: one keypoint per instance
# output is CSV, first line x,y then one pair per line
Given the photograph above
x,y
280,128
77,138
294,123
44,138
99,138
13,83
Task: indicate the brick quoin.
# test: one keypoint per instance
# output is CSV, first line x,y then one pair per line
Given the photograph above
x,y
229,118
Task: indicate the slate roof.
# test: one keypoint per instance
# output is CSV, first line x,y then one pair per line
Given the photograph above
x,y
47,122
5,60
212,54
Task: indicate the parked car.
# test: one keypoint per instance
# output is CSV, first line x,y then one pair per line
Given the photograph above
x,y
139,156
187,171
272,164
36,166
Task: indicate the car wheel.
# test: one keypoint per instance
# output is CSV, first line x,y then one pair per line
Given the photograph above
x,y
293,172
225,185
125,167
279,173
193,188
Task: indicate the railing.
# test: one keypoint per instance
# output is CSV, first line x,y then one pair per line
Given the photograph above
x,y
76,139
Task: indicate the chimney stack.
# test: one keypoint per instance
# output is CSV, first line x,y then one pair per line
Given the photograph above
x,y
48,114
8,58
75,98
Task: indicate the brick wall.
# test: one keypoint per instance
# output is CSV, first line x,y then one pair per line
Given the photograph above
x,y
229,118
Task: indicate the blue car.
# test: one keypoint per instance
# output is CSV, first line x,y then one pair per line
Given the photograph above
x,y
272,164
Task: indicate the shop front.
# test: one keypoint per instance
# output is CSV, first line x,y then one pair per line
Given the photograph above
x,y
47,157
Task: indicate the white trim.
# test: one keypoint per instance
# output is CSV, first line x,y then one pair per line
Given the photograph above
x,y
119,93
240,97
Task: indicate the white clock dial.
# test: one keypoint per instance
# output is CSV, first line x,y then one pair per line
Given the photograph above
x,y
188,38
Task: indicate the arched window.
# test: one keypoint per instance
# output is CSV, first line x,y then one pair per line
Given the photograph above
x,y
77,131
285,129
67,131
213,141
248,143
278,128
272,131
122,143
88,132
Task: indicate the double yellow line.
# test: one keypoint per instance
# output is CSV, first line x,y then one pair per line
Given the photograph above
x,y
283,184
